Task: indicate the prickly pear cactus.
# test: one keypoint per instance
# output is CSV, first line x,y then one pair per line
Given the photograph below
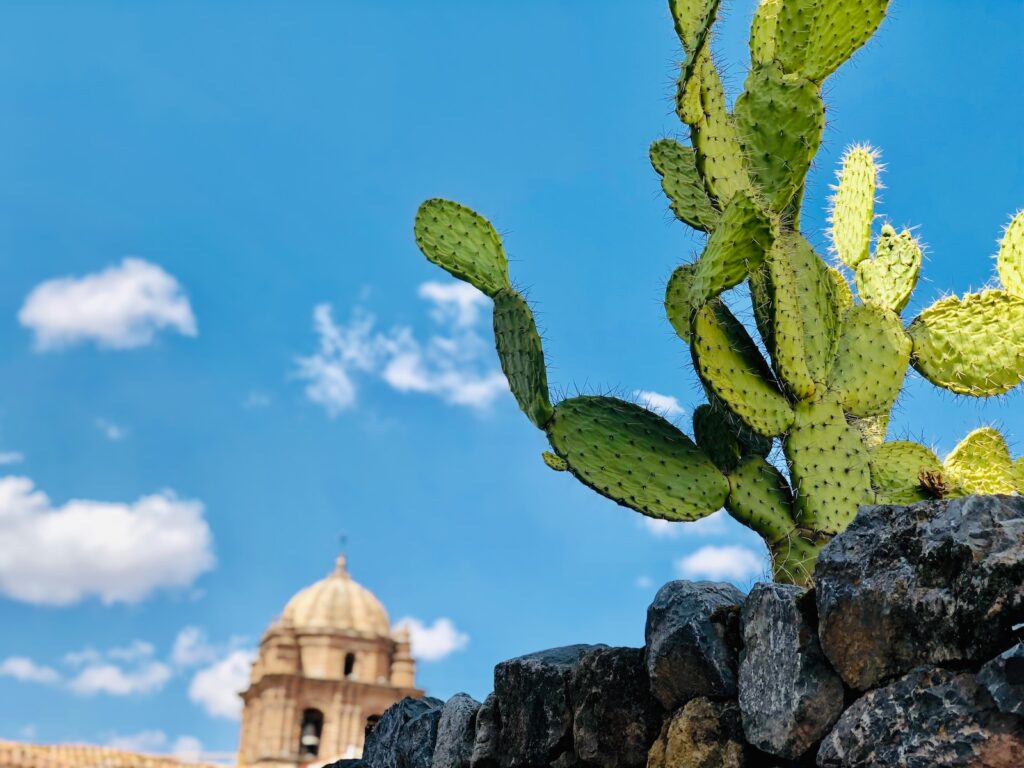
x,y
837,358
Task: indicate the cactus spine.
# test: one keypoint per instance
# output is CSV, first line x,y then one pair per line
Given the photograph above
x,y
836,362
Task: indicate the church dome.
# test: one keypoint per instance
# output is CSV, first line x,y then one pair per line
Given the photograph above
x,y
337,604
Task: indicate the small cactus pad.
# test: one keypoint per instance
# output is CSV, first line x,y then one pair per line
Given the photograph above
x,y
556,463
759,497
521,355
813,37
889,278
1011,257
462,242
762,32
871,361
843,292
896,469
971,346
636,458
716,437
679,178
853,207
828,465
981,463
693,20
678,307
730,364
780,121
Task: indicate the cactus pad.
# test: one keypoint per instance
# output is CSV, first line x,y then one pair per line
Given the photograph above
x,y
762,32
871,362
554,462
715,437
843,292
896,469
971,346
813,37
1011,257
693,19
678,306
759,497
679,178
889,278
463,243
1018,475
853,206
981,463
636,458
521,355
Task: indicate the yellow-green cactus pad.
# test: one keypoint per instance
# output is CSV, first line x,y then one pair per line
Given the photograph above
x,y
634,457
971,346
896,469
762,32
693,19
554,462
678,301
1011,257
828,466
981,463
677,167
794,558
1018,474
731,365
872,429
853,206
843,292
780,120
463,243
521,355
759,497
889,278
871,361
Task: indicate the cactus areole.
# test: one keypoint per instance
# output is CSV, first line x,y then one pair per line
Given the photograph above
x,y
838,353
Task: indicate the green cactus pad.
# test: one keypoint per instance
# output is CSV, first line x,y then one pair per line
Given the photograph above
x,y
981,463
1018,475
1011,257
760,498
971,346
462,242
889,278
814,37
638,459
828,465
843,292
896,469
677,166
715,436
731,365
762,32
780,121
871,361
853,207
678,303
556,463
521,355
693,19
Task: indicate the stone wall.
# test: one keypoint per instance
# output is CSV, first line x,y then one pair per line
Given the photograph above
x,y
907,653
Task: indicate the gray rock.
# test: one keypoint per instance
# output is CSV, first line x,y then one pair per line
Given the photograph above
x,y
347,764
405,735
931,718
487,741
692,641
456,732
789,696
703,734
1003,678
937,582
615,718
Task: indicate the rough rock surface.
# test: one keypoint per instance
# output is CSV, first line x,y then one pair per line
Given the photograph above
x,y
703,734
405,735
456,732
931,718
789,696
1003,678
692,641
936,582
615,718
487,741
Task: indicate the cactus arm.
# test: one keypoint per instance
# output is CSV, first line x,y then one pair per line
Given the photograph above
x,y
871,361
888,279
677,167
981,463
463,243
762,32
1011,257
971,346
896,470
853,206
636,458
521,355
693,20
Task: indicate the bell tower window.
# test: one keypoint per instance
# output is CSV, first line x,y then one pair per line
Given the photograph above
x,y
350,664
312,727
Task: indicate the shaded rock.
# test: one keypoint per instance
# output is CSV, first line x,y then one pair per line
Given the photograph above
x,y
347,764
703,734
615,718
456,732
1003,678
405,735
789,696
487,741
931,718
692,638
936,582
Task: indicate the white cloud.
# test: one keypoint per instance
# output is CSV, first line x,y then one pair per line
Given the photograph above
x,y
188,749
111,431
215,688
434,642
664,405
117,681
644,582
144,741
27,671
713,525
120,307
11,457
454,364
729,562
191,647
256,400
116,551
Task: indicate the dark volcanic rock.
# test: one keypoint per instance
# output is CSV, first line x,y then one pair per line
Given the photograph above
x,y
692,641
789,695
487,741
615,717
931,718
347,764
703,734
456,732
405,735
936,582
1003,678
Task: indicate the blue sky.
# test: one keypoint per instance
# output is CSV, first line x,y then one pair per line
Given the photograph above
x,y
259,160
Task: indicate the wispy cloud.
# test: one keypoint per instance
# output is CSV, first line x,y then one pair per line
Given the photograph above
x,y
11,457
435,641
733,563
115,680
113,432
663,405
27,671
256,400
187,749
